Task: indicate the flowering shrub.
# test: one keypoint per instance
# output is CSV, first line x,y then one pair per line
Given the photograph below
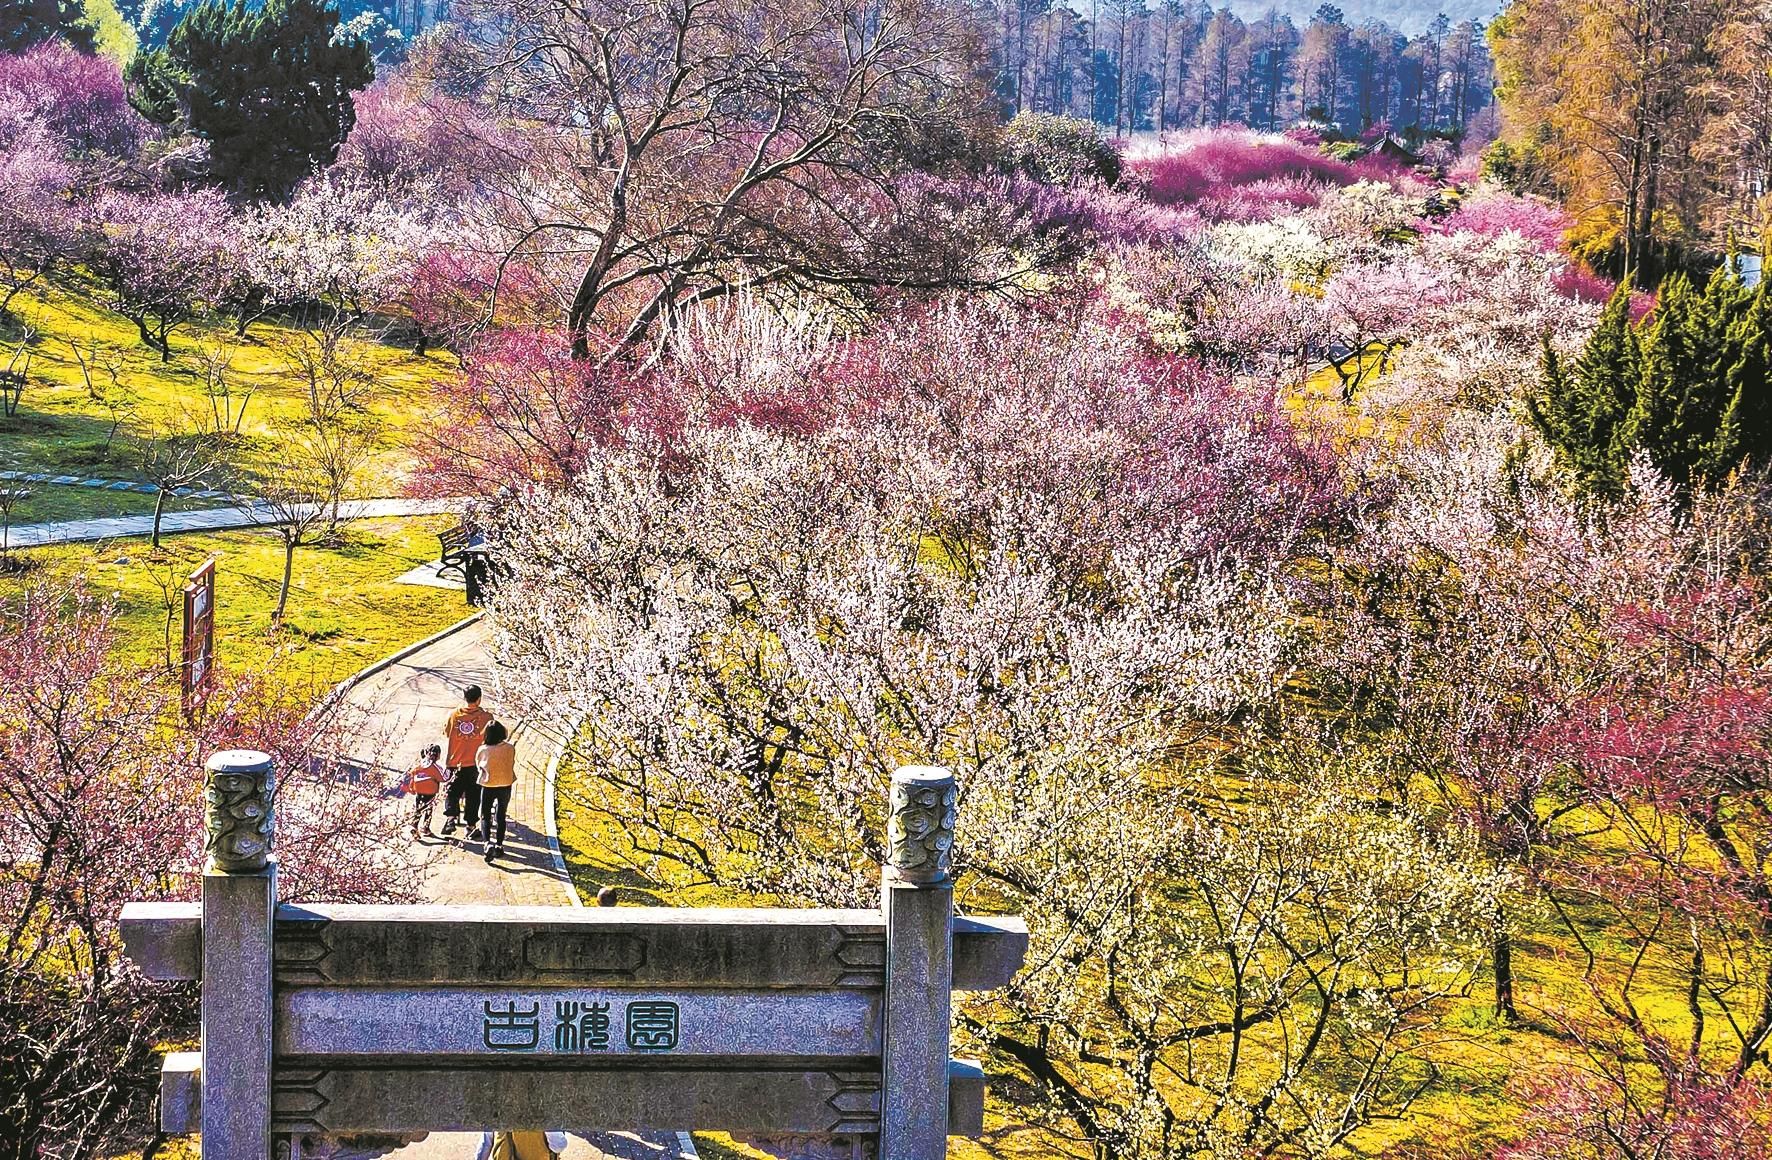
x,y
1059,150
1289,248
1211,164
76,100
1107,215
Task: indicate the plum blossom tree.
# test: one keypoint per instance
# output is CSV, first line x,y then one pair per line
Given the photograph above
x,y
1033,550
410,136
39,225
739,144
101,804
164,257
1367,312
77,101
339,250
1491,212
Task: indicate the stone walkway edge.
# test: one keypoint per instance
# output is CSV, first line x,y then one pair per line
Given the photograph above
x,y
551,820
107,484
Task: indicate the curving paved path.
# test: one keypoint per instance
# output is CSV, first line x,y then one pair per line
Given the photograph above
x,y
406,703
248,515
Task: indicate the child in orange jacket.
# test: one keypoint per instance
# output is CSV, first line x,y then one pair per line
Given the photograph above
x,y
422,783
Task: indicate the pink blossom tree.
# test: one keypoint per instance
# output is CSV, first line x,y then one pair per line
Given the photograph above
x,y
77,101
39,225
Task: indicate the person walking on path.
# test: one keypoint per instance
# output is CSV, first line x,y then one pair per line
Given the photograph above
x,y
464,733
497,764
422,783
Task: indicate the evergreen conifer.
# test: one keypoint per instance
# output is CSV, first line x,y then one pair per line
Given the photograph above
x,y
1691,388
270,90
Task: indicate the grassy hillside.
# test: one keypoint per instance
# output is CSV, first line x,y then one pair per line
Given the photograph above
x,y
65,426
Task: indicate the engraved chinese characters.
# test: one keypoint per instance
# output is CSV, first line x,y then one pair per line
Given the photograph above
x,y
238,792
920,834
581,1026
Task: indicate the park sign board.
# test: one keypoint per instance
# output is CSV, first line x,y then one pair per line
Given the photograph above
x,y
822,1030
197,672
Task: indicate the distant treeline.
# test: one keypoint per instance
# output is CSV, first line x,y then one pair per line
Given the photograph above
x,y
1409,16
1179,64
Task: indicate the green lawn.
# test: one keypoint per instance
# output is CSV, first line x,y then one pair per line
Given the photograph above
x,y
63,427
345,610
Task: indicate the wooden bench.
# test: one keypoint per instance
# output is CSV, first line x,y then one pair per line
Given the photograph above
x,y
454,553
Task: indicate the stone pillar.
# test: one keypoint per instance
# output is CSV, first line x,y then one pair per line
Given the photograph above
x,y
919,904
239,905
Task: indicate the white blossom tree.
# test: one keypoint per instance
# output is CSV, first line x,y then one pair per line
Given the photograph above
x,y
998,544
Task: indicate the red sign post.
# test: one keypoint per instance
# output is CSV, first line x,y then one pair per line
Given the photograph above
x,y
197,673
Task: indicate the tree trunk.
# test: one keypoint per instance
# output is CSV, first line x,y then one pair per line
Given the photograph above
x,y
1503,953
283,592
159,509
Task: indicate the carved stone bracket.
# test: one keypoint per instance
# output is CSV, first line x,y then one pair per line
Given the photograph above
x,y
859,1146
920,834
320,1146
238,792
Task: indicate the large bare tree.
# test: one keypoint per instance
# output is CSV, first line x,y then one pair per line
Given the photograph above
x,y
660,153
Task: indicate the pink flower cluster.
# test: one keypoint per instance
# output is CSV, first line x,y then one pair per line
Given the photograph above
x,y
1213,166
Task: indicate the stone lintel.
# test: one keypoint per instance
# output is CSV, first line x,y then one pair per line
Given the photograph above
x,y
419,1024
842,1099
637,946
338,1096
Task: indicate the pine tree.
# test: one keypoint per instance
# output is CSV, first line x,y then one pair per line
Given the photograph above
x,y
1745,433
1682,397
1583,414
1692,389
24,23
270,90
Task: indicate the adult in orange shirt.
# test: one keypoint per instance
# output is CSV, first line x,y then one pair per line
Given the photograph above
x,y
463,736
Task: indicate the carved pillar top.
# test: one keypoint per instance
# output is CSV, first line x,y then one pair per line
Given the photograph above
x,y
920,832
238,791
